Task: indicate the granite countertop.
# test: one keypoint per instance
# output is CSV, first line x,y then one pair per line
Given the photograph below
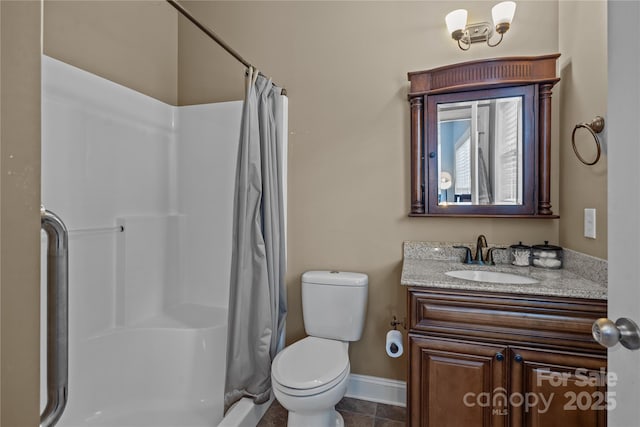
x,y
425,264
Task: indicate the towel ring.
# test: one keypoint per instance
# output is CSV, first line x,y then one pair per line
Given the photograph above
x,y
594,126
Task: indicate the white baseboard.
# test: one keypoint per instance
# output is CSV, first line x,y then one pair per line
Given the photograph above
x,y
376,389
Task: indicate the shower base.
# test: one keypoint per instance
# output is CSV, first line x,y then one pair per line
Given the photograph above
x,y
164,371
159,414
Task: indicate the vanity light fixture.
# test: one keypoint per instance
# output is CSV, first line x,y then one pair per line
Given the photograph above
x,y
465,35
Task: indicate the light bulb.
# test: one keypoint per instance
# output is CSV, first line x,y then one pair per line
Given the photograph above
x,y
456,21
503,12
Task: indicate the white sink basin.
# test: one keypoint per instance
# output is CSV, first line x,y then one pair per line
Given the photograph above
x,y
491,277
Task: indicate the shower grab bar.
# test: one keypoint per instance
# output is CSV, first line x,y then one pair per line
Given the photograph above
x,y
119,228
57,317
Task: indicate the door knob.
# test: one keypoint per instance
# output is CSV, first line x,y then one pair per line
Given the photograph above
x,y
624,330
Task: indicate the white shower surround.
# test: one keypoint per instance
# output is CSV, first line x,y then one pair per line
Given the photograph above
x,y
148,307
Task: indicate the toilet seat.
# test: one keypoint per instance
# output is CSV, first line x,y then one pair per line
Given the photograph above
x,y
310,366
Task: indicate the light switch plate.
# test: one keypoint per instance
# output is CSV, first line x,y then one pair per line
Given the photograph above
x,y
590,223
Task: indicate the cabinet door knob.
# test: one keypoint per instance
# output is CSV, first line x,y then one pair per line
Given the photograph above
x,y
432,155
518,358
499,357
624,330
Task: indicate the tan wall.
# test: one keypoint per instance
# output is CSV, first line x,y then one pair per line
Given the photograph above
x,y
133,43
345,67
19,212
583,95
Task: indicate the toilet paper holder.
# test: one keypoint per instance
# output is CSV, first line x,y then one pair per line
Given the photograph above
x,y
393,344
395,322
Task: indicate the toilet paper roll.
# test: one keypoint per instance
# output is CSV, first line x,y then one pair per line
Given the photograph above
x,y
394,343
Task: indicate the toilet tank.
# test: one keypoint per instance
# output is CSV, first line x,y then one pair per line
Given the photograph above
x,y
334,304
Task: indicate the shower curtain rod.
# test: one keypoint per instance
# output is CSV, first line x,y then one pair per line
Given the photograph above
x,y
214,36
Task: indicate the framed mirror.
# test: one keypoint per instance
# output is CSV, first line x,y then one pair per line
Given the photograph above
x,y
480,138
484,151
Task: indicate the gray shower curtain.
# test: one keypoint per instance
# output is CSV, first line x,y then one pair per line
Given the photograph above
x,y
257,297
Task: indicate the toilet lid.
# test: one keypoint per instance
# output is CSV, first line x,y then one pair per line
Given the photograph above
x,y
311,363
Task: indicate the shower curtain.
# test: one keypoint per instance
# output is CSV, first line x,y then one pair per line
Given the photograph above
x,y
257,297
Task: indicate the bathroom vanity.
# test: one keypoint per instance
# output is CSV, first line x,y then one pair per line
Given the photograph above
x,y
501,354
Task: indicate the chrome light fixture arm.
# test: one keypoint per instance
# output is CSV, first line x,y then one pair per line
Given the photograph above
x,y
496,44
468,44
466,35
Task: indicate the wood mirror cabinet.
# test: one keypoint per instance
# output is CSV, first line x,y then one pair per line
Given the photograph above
x,y
481,138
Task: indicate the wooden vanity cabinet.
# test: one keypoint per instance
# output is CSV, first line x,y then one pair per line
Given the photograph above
x,y
477,358
444,372
574,400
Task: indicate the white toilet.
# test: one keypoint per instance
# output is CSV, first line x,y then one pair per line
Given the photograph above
x,y
310,376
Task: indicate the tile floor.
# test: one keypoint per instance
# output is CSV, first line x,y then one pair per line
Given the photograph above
x,y
356,413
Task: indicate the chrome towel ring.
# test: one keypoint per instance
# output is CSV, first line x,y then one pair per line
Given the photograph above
x,y
594,127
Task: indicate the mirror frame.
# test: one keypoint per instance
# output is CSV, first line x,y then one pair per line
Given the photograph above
x,y
534,77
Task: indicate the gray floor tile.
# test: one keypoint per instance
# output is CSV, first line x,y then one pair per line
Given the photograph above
x,y
356,405
353,419
276,416
381,422
356,413
391,412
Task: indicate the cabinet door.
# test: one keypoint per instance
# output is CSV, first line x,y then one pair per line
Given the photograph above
x,y
452,383
555,389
